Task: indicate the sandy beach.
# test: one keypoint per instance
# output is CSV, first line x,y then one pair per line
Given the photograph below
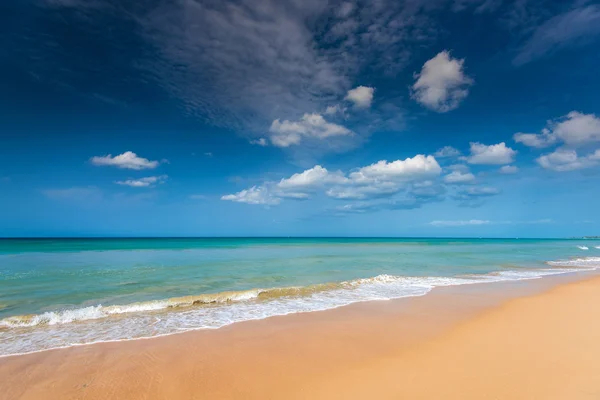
x,y
525,340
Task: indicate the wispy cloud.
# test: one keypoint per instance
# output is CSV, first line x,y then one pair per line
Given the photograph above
x,y
460,223
149,181
571,28
479,222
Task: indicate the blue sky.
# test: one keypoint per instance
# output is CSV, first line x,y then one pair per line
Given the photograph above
x,y
289,118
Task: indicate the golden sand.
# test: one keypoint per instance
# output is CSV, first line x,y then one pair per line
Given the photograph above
x,y
467,343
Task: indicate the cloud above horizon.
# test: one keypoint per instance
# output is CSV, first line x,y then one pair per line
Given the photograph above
x,y
574,130
149,181
495,154
442,84
310,126
564,160
381,179
361,96
127,160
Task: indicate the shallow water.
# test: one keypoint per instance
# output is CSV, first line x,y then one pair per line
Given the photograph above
x,y
61,292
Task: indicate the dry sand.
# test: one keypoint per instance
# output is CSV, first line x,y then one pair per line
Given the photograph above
x,y
515,341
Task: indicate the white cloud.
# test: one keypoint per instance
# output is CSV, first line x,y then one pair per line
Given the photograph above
x,y
459,223
578,129
361,96
148,181
457,177
128,160
288,133
574,129
564,160
311,178
442,84
574,27
539,141
376,180
254,195
259,142
447,151
509,169
418,167
491,155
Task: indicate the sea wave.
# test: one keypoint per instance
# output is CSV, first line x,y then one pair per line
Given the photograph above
x,y
29,333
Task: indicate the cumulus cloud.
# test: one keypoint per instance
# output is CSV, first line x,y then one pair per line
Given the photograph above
x,y
417,167
127,160
574,27
447,151
457,177
361,96
148,181
509,169
574,130
578,129
491,155
310,178
442,84
380,179
254,195
564,160
310,126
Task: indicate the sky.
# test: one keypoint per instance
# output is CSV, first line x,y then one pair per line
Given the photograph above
x,y
472,118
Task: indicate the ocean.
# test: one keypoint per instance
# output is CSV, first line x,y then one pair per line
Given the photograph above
x,y
62,292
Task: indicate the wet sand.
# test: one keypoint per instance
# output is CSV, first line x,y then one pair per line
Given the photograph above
x,y
520,340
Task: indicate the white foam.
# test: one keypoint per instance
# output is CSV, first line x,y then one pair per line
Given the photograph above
x,y
145,320
586,262
582,247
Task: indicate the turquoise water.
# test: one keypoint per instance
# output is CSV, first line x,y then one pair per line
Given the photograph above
x,y
60,292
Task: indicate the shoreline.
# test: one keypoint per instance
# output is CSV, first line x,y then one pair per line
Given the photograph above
x,y
562,270
352,336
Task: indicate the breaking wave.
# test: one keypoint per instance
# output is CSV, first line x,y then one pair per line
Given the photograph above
x,y
29,333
